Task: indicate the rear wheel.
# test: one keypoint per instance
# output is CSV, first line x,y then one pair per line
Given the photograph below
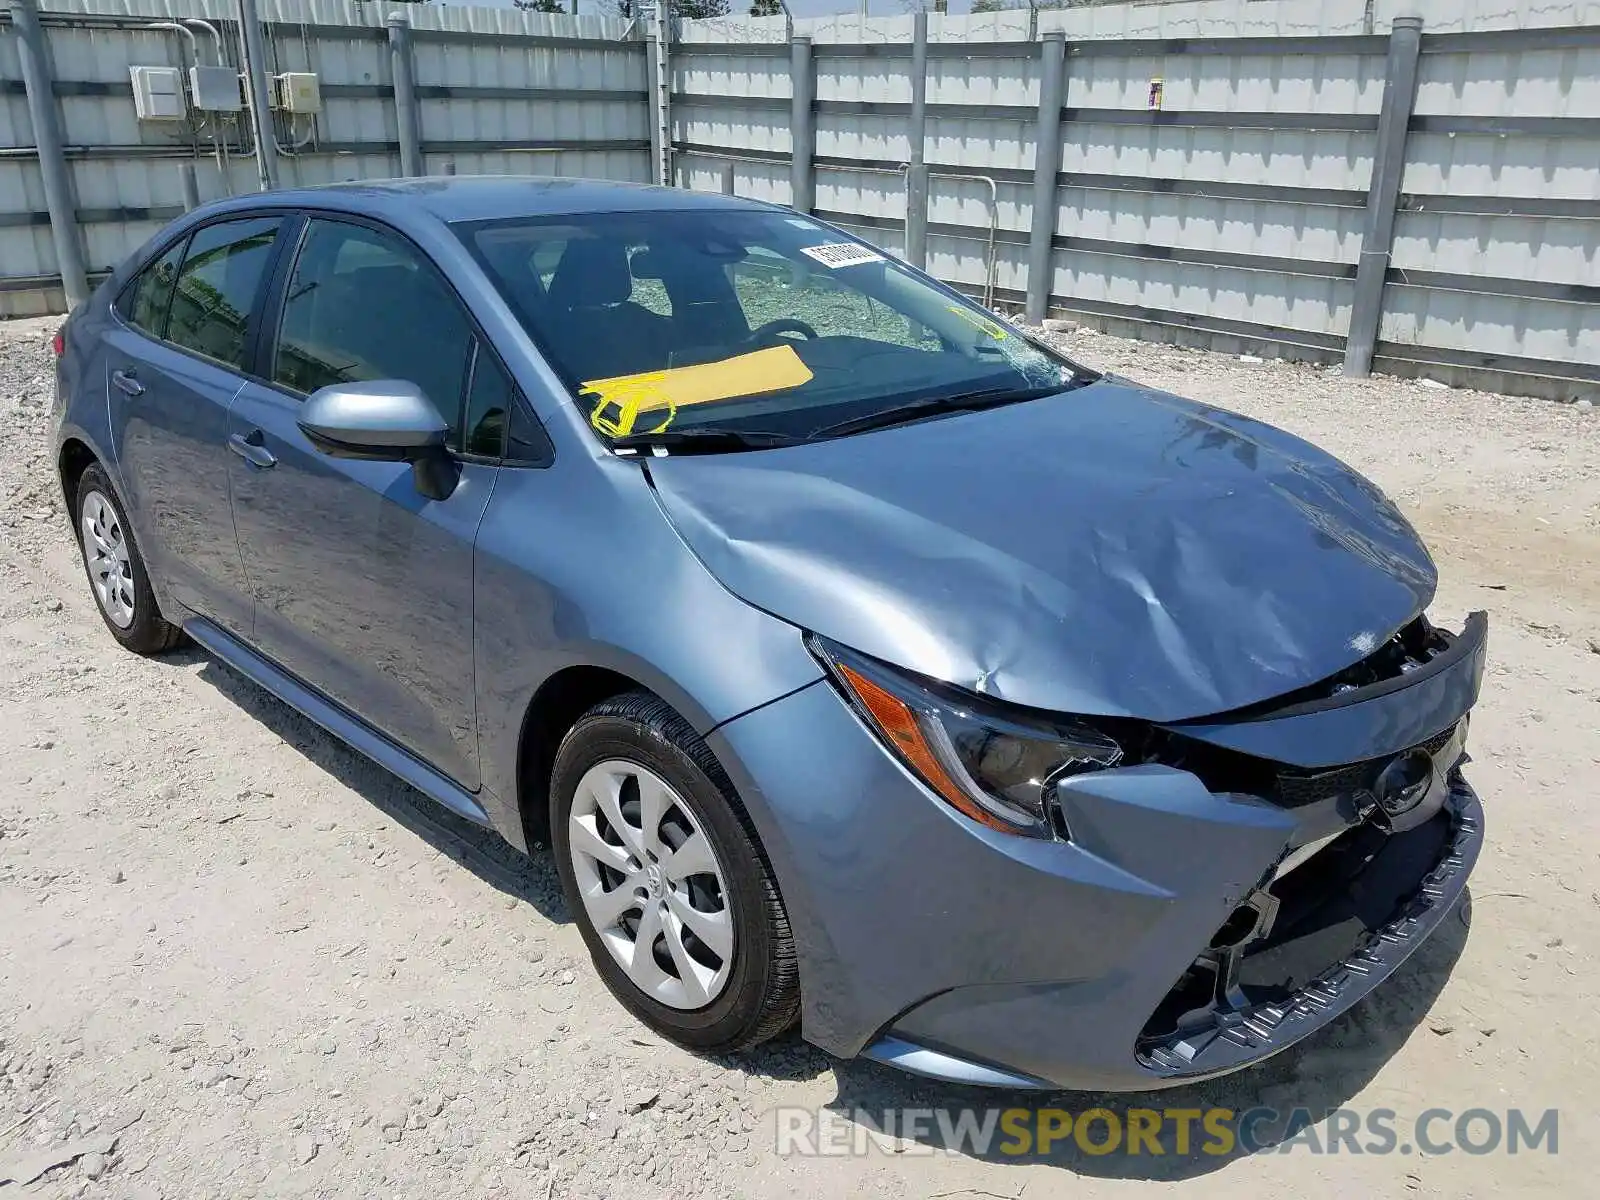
x,y
116,571
666,879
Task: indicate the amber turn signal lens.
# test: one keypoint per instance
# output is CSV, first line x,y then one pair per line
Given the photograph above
x,y
899,724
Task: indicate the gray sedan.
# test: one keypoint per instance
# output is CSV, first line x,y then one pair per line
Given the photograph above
x,y
866,663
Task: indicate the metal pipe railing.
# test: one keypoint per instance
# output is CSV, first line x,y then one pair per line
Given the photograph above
x,y
174,27
216,35
992,252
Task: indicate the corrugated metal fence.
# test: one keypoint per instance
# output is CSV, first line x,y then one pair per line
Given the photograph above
x,y
499,91
1216,178
1309,177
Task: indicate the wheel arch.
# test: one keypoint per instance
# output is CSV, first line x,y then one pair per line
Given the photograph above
x,y
76,452
556,706
74,458
554,709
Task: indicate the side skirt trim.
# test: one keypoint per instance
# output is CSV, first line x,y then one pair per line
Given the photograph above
x,y
345,726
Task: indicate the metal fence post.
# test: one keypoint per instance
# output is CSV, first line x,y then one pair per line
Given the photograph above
x,y
255,65
652,87
659,79
404,66
1388,168
39,82
802,125
728,177
917,167
1046,167
189,185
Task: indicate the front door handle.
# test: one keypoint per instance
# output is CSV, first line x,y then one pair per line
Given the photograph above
x,y
127,383
248,447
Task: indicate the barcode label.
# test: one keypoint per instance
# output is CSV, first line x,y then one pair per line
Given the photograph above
x,y
842,254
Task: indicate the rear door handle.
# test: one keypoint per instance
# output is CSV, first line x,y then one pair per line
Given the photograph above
x,y
127,383
248,447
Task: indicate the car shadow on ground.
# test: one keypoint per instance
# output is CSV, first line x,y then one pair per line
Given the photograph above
x,y
1304,1084
529,878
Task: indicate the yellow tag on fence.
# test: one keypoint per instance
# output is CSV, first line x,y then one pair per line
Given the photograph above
x,y
621,400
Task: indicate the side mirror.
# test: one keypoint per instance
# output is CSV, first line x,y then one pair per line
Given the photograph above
x,y
383,420
389,420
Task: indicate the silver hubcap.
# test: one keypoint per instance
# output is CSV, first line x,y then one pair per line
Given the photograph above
x,y
105,549
651,884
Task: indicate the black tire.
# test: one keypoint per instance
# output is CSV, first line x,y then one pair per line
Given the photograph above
x,y
761,998
149,632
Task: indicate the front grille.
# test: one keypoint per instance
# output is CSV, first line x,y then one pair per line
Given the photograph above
x,y
1224,770
1296,789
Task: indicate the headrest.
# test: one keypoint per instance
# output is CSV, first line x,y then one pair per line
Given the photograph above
x,y
592,272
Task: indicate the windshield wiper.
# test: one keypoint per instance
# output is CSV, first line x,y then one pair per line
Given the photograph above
x,y
705,439
933,406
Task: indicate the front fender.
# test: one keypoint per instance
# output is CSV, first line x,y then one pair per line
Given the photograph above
x,y
577,567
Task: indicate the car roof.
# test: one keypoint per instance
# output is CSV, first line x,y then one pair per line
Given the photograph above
x,y
488,197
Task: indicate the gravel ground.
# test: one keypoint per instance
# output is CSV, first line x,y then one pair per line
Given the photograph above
x,y
236,960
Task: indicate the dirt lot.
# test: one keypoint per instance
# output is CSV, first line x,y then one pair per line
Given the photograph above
x,y
264,968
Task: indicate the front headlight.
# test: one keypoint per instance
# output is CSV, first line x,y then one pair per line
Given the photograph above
x,y
995,765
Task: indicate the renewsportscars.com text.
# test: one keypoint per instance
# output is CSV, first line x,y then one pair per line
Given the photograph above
x,y
1182,1132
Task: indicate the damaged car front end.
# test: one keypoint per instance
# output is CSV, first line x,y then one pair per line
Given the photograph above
x,y
1194,748
1386,832
1168,902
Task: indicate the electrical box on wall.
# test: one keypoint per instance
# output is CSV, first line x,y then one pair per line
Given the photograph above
x,y
158,93
215,89
298,92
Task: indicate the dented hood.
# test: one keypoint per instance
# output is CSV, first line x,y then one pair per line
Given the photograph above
x,y
1112,550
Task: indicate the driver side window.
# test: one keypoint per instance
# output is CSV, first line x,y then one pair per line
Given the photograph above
x,y
363,304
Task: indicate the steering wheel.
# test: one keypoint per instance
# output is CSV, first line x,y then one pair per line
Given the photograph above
x,y
782,325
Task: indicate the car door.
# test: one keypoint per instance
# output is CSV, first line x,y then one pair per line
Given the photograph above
x,y
363,586
174,361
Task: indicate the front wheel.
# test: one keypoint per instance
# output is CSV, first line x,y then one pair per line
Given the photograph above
x,y
666,880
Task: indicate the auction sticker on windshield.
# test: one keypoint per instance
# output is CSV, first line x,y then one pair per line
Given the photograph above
x,y
841,254
622,399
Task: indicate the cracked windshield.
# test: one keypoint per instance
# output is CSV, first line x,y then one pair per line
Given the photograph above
x,y
749,325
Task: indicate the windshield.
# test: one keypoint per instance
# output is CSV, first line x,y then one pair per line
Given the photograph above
x,y
746,322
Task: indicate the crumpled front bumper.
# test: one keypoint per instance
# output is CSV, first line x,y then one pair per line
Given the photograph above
x,y
1255,1032
959,952
1027,1028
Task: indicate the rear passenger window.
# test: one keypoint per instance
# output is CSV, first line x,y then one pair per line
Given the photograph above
x,y
362,304
218,285
144,304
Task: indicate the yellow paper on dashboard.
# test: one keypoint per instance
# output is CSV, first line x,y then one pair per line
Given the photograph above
x,y
621,400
